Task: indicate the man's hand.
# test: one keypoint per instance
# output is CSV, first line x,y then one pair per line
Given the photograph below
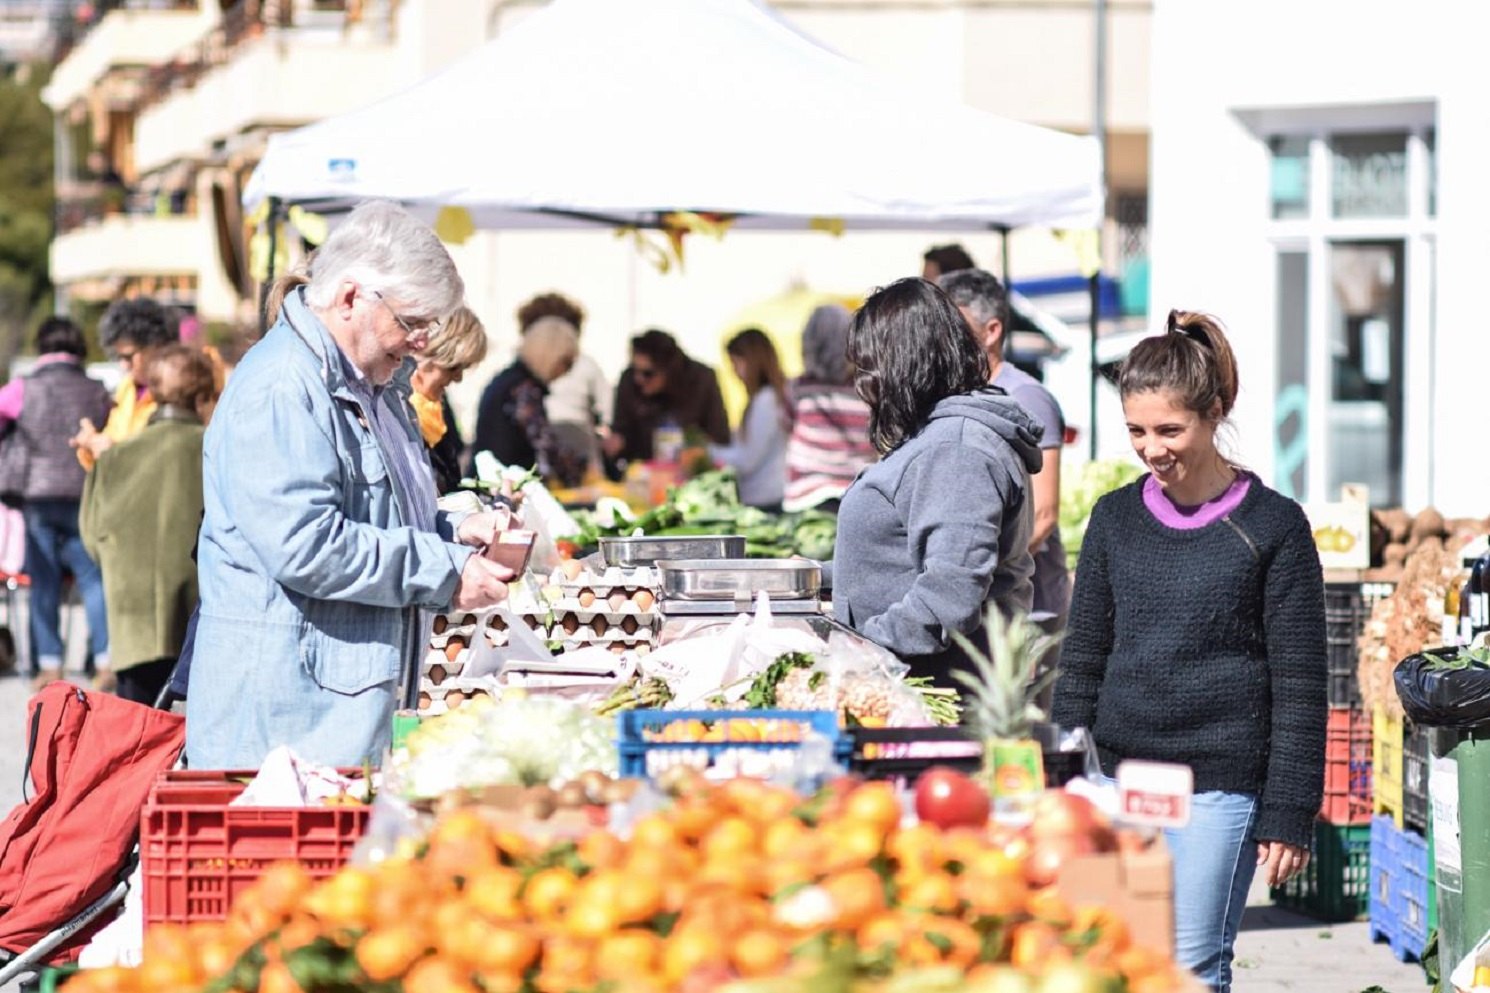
x,y
1281,861
480,530
482,584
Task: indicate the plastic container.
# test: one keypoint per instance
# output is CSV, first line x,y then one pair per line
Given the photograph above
x,y
724,742
1385,880
1386,765
1347,767
197,853
1336,884
1345,616
905,753
1415,780
1413,896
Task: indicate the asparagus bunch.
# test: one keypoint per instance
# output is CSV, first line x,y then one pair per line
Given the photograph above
x,y
638,694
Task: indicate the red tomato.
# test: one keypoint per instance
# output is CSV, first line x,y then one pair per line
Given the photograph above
x,y
947,799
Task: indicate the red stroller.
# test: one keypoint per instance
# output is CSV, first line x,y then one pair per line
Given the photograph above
x,y
66,853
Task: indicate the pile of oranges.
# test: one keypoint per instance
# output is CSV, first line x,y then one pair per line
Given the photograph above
x,y
739,886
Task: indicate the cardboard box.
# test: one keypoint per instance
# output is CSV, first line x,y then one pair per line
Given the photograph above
x,y
1139,886
1342,530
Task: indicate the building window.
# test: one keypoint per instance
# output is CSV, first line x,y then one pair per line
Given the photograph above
x,y
1290,178
1368,175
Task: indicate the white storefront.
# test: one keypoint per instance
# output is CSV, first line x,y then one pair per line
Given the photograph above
x,y
1318,182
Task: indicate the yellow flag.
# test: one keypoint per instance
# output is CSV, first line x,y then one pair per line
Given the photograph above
x,y
312,227
831,225
1087,244
454,225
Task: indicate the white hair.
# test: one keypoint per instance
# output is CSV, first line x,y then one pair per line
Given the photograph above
x,y
386,249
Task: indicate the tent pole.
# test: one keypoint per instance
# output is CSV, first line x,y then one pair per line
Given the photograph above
x,y
1094,299
274,209
1003,230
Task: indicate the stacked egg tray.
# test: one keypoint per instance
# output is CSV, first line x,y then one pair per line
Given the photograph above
x,y
616,609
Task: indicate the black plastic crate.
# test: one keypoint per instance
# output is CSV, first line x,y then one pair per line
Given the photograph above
x,y
905,753
1345,615
1415,779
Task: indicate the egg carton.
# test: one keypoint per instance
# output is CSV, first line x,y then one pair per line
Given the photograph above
x,y
616,647
436,700
607,635
605,619
499,639
438,674
612,579
617,602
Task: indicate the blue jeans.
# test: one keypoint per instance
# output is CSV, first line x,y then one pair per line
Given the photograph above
x,y
52,545
1215,857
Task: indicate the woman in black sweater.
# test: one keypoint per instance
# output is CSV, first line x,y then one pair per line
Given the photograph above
x,y
1197,637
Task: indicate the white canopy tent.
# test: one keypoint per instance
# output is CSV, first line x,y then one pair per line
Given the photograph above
x,y
618,111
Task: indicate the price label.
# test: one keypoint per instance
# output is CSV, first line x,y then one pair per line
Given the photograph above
x,y
1155,793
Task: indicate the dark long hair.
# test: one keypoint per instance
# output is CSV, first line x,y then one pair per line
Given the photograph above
x,y
912,349
1192,359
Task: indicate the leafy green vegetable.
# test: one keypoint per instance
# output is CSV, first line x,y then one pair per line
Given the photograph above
x,y
762,692
1081,495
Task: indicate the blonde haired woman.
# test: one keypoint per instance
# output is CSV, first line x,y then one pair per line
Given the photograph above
x,y
459,344
511,422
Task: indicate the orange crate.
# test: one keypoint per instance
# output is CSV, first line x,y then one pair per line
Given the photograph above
x,y
197,853
1347,767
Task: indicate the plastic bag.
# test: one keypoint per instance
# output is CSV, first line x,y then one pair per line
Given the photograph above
x,y
1443,697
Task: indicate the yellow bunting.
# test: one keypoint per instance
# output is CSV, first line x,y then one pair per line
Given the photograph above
x,y
454,225
831,225
1087,245
312,227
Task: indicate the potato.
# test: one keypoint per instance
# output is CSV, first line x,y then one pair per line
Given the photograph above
x,y
1428,524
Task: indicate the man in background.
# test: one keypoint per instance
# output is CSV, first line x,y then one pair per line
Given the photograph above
x,y
984,302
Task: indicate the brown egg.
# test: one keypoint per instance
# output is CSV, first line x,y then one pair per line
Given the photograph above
x,y
497,623
468,619
629,625
617,648
586,598
437,674
532,621
454,699
571,624
599,626
643,600
441,624
424,701
454,647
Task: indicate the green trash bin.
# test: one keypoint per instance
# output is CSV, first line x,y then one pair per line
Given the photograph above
x,y
1459,792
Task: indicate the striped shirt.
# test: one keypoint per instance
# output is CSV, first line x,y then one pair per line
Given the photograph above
x,y
403,449
828,446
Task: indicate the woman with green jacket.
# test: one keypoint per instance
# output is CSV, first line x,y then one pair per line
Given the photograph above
x,y
141,509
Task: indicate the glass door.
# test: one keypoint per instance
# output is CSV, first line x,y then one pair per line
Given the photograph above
x,y
1366,316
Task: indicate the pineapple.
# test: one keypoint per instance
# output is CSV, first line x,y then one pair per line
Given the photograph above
x,y
1000,703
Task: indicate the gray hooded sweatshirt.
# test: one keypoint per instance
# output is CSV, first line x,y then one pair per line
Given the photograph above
x,y
938,529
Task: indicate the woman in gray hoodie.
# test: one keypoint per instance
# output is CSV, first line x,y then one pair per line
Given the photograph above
x,y
940,527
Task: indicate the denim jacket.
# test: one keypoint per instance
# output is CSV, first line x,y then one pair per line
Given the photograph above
x,y
311,579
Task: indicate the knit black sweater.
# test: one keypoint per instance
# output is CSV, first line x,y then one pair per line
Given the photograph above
x,y
1204,647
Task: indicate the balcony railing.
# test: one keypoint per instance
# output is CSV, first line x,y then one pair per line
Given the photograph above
x,y
74,27
92,203
244,21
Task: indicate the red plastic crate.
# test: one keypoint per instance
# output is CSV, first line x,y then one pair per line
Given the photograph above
x,y
197,853
1347,767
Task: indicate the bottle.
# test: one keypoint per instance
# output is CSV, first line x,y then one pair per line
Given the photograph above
x,y
1468,594
1453,610
1481,574
667,440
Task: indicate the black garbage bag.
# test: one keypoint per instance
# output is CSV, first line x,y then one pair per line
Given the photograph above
x,y
1445,687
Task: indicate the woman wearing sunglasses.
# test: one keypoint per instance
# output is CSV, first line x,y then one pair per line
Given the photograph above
x,y
663,385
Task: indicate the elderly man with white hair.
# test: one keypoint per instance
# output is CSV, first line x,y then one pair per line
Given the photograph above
x,y
321,541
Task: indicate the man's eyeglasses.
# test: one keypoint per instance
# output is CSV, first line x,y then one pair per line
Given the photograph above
x,y
423,328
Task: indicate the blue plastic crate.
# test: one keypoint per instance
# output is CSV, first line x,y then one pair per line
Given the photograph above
x,y
1385,881
763,745
1410,899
